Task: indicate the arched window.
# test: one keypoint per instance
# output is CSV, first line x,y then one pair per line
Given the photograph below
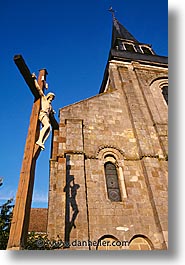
x,y
165,93
159,90
112,182
146,50
140,242
129,47
108,242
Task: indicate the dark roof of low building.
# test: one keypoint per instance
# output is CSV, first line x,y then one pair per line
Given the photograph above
x,y
38,220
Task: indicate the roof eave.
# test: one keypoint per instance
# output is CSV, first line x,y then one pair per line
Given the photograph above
x,y
154,60
129,56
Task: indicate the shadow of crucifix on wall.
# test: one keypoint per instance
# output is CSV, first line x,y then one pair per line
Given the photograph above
x,y
72,210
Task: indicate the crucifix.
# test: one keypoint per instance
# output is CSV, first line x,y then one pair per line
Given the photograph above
x,y
34,144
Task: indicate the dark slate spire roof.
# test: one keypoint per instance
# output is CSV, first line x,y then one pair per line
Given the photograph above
x,y
125,47
119,31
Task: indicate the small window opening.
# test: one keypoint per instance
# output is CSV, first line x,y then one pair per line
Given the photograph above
x,y
112,182
129,47
146,50
165,93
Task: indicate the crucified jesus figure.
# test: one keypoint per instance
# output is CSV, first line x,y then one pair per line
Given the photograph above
x,y
46,110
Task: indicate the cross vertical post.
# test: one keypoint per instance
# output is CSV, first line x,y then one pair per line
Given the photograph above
x,y
21,212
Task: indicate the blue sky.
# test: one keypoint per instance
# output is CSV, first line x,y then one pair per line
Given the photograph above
x,y
71,39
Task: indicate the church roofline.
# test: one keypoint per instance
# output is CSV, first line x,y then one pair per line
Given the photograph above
x,y
84,100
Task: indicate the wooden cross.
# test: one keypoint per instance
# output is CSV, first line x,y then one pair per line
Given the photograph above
x,y
21,212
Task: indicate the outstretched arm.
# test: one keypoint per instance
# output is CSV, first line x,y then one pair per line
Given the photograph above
x,y
41,93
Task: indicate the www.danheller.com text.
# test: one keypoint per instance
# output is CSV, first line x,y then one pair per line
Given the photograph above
x,y
84,243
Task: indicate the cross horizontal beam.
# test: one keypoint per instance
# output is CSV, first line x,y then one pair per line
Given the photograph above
x,y
24,70
19,61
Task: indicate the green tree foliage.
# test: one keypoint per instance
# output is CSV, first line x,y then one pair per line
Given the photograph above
x,y
37,241
6,211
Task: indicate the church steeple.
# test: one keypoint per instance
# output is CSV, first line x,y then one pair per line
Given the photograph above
x,y
120,32
126,48
123,40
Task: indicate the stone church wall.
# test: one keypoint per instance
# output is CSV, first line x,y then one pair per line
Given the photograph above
x,y
126,125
